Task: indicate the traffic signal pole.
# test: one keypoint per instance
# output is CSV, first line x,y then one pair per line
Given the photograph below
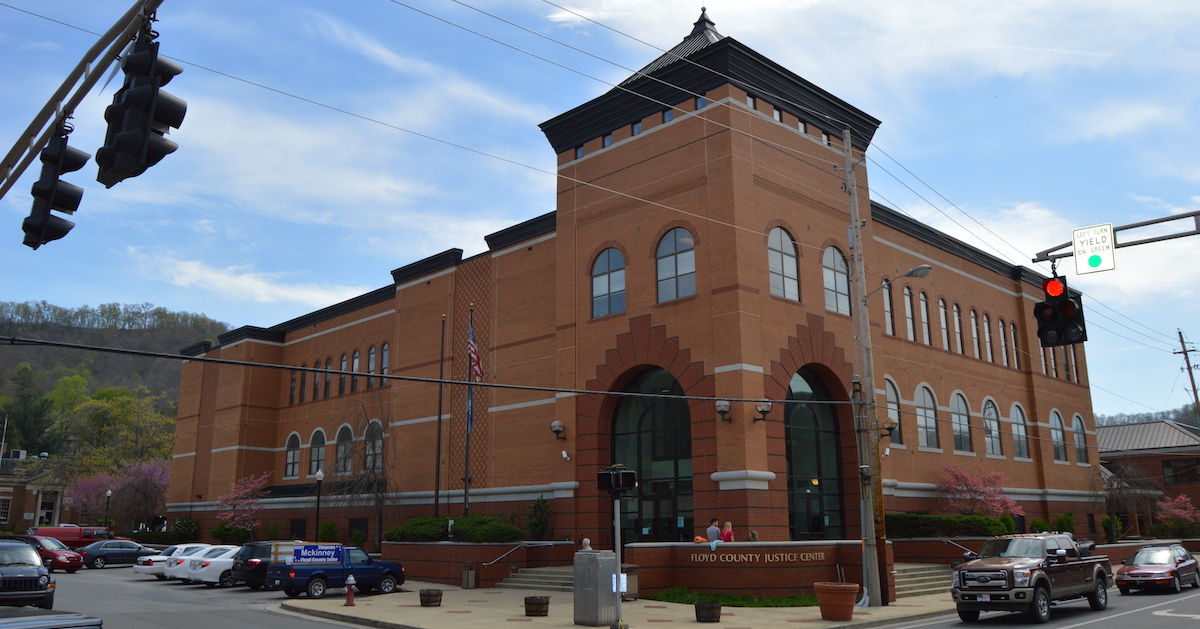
x,y
63,102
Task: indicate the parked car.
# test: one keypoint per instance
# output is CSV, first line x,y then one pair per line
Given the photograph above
x,y
154,565
114,551
1167,567
177,566
54,553
23,578
75,536
45,619
214,568
314,568
250,563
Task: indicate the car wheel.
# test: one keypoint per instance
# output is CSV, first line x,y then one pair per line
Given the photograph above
x,y
317,587
161,577
1039,609
1196,579
968,615
1176,586
387,584
226,580
1122,590
99,563
292,592
1098,599
49,604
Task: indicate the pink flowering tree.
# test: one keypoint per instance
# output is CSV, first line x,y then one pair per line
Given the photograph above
x,y
241,505
1178,509
976,493
89,494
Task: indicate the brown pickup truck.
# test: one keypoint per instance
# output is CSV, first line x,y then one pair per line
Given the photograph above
x,y
1028,573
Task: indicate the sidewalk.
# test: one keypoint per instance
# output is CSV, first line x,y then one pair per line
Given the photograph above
x,y
494,607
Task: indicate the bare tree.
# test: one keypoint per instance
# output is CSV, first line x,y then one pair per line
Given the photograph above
x,y
363,474
1128,491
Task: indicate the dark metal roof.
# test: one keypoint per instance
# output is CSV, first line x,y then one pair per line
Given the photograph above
x,y
704,33
521,232
432,264
1143,437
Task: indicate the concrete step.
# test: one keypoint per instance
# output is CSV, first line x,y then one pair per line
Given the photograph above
x,y
554,579
922,592
921,579
506,584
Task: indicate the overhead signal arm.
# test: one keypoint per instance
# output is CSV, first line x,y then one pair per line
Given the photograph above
x,y
1049,255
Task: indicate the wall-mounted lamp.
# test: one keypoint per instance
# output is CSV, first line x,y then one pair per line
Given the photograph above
x,y
557,428
888,425
763,408
722,407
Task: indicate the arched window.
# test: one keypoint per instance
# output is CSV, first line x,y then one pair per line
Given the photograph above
x,y
958,341
608,284
889,321
342,377
1066,362
676,265
345,446
1003,341
303,381
927,432
383,366
926,336
291,459
1081,451
814,473
991,429
782,265
975,332
837,281
373,448
371,367
316,382
893,410
987,338
1020,436
1016,360
1058,436
292,390
354,368
909,323
945,320
328,376
316,452
960,415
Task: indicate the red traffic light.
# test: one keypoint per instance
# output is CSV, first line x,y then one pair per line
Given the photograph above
x,y
1054,287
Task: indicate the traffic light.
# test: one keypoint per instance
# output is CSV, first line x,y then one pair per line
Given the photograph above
x,y
1059,317
51,193
140,115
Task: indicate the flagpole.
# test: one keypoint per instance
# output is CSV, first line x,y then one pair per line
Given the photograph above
x,y
471,358
437,473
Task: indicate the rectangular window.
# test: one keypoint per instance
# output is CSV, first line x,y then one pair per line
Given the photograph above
x,y
751,102
889,321
825,139
5,509
1181,470
607,140
578,152
635,128
291,467
803,126
908,314
668,115
701,102
298,526
778,113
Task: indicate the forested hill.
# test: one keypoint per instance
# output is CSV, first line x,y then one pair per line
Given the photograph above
x,y
128,326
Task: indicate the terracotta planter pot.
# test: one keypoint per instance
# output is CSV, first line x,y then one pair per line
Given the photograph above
x,y
836,600
708,611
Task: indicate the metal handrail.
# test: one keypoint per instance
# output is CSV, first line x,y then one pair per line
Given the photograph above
x,y
521,545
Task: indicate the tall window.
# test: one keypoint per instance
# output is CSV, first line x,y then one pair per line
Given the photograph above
x,y
383,365
328,375
345,445
889,321
1066,362
925,334
292,390
893,410
975,332
960,414
837,281
945,320
676,265
991,429
608,284
342,377
291,460
1016,359
927,419
908,314
1058,436
316,452
987,338
814,476
1081,451
1053,361
958,342
782,266
371,367
1075,361
5,509
303,380
373,448
316,381
1020,437
1003,341
354,369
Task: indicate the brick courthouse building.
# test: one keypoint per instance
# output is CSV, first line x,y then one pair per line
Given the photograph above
x,y
698,252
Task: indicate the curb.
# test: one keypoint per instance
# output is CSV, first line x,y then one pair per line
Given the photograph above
x,y
346,618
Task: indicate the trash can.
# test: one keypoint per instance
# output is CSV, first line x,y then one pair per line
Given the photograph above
x,y
468,582
631,582
595,601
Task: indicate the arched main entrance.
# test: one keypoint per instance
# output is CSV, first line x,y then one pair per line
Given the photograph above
x,y
815,508
653,436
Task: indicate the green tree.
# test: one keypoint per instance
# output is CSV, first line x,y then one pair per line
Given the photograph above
x,y
30,416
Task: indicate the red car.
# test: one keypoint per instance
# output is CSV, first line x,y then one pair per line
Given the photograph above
x,y
55,554
1168,567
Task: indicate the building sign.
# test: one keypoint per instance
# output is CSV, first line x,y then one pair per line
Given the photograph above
x,y
756,558
1094,247
317,553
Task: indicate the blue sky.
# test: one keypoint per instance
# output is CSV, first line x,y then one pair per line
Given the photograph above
x,y
298,184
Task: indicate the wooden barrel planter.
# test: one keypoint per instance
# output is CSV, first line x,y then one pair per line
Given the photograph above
x,y
431,598
708,611
836,600
537,605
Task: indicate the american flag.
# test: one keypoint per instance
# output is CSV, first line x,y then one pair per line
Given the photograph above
x,y
473,354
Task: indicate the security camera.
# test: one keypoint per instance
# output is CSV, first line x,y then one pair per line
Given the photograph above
x,y
887,451
566,456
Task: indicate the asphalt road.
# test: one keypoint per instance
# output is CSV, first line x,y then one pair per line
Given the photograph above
x,y
128,601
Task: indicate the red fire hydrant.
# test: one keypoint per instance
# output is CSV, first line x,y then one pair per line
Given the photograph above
x,y
349,591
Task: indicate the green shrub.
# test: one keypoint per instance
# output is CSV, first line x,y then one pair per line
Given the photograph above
x,y
185,528
1106,524
1175,529
1064,523
1010,525
539,518
327,532
473,528
902,525
1039,526
230,535
495,532
358,537
268,531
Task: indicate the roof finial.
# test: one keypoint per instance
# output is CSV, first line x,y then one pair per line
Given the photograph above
x,y
704,23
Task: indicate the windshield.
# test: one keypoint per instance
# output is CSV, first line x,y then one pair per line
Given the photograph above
x,y
1020,547
193,551
1155,557
19,555
52,544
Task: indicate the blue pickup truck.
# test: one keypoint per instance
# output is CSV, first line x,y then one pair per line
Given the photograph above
x,y
314,568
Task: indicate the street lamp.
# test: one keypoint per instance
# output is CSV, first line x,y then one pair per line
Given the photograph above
x,y
320,477
107,500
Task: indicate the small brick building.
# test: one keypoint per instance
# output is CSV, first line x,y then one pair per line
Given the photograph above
x,y
698,252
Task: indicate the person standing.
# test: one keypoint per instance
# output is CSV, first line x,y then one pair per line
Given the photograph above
x,y
585,544
714,531
727,532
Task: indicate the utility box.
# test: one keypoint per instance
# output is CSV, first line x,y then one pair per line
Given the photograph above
x,y
595,601
468,580
631,582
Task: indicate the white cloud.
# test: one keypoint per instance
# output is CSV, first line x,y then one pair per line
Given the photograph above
x,y
1114,119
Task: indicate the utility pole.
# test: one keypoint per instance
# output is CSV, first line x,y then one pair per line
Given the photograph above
x,y
1191,376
